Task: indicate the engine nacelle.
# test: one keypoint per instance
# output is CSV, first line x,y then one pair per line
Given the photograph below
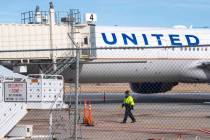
x,y
149,88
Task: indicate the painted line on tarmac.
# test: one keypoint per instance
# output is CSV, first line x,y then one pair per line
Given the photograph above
x,y
205,131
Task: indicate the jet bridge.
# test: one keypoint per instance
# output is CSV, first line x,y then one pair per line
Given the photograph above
x,y
39,37
45,30
17,96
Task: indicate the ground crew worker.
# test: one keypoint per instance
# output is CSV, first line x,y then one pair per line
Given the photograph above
x,y
128,103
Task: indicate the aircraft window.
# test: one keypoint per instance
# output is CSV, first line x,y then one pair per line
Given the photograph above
x,y
197,49
189,49
172,49
181,49
206,49
185,48
193,49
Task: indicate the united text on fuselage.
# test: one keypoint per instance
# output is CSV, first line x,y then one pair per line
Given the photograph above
x,y
145,39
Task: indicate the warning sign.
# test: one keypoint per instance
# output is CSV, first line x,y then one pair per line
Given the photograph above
x,y
15,92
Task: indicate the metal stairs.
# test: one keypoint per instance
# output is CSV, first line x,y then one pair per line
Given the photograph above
x,y
62,64
10,115
60,67
69,58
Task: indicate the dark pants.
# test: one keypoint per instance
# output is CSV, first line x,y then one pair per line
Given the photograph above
x,y
128,113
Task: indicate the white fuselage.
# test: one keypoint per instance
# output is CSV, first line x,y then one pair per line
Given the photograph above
x,y
173,64
152,37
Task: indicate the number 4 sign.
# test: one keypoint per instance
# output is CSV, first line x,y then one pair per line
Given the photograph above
x,y
90,17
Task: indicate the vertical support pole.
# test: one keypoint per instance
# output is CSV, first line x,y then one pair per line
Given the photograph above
x,y
54,64
50,126
71,24
52,30
76,93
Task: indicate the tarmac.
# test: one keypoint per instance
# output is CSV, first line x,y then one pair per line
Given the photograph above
x,y
156,119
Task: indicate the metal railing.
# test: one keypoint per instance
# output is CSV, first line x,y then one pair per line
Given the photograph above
x,y
73,16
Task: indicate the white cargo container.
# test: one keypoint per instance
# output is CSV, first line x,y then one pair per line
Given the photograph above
x,y
45,88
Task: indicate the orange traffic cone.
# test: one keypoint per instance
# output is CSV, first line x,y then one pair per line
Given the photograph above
x,y
85,118
90,119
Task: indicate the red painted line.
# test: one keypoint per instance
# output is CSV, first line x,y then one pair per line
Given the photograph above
x,y
205,131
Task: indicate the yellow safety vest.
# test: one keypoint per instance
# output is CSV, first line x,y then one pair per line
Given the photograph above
x,y
129,100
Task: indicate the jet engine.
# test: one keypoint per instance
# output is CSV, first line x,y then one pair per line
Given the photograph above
x,y
150,88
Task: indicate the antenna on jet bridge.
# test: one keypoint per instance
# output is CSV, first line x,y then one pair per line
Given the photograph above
x,y
51,4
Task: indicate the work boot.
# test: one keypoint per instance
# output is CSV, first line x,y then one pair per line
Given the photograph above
x,y
123,122
133,121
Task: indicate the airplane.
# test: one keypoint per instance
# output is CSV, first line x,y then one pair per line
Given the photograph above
x,y
152,60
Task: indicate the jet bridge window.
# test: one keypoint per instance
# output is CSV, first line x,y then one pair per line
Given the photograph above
x,y
86,40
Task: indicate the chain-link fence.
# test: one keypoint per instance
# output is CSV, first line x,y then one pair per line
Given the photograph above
x,y
166,116
171,96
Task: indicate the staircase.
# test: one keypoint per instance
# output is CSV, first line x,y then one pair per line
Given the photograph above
x,y
10,115
61,66
69,57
